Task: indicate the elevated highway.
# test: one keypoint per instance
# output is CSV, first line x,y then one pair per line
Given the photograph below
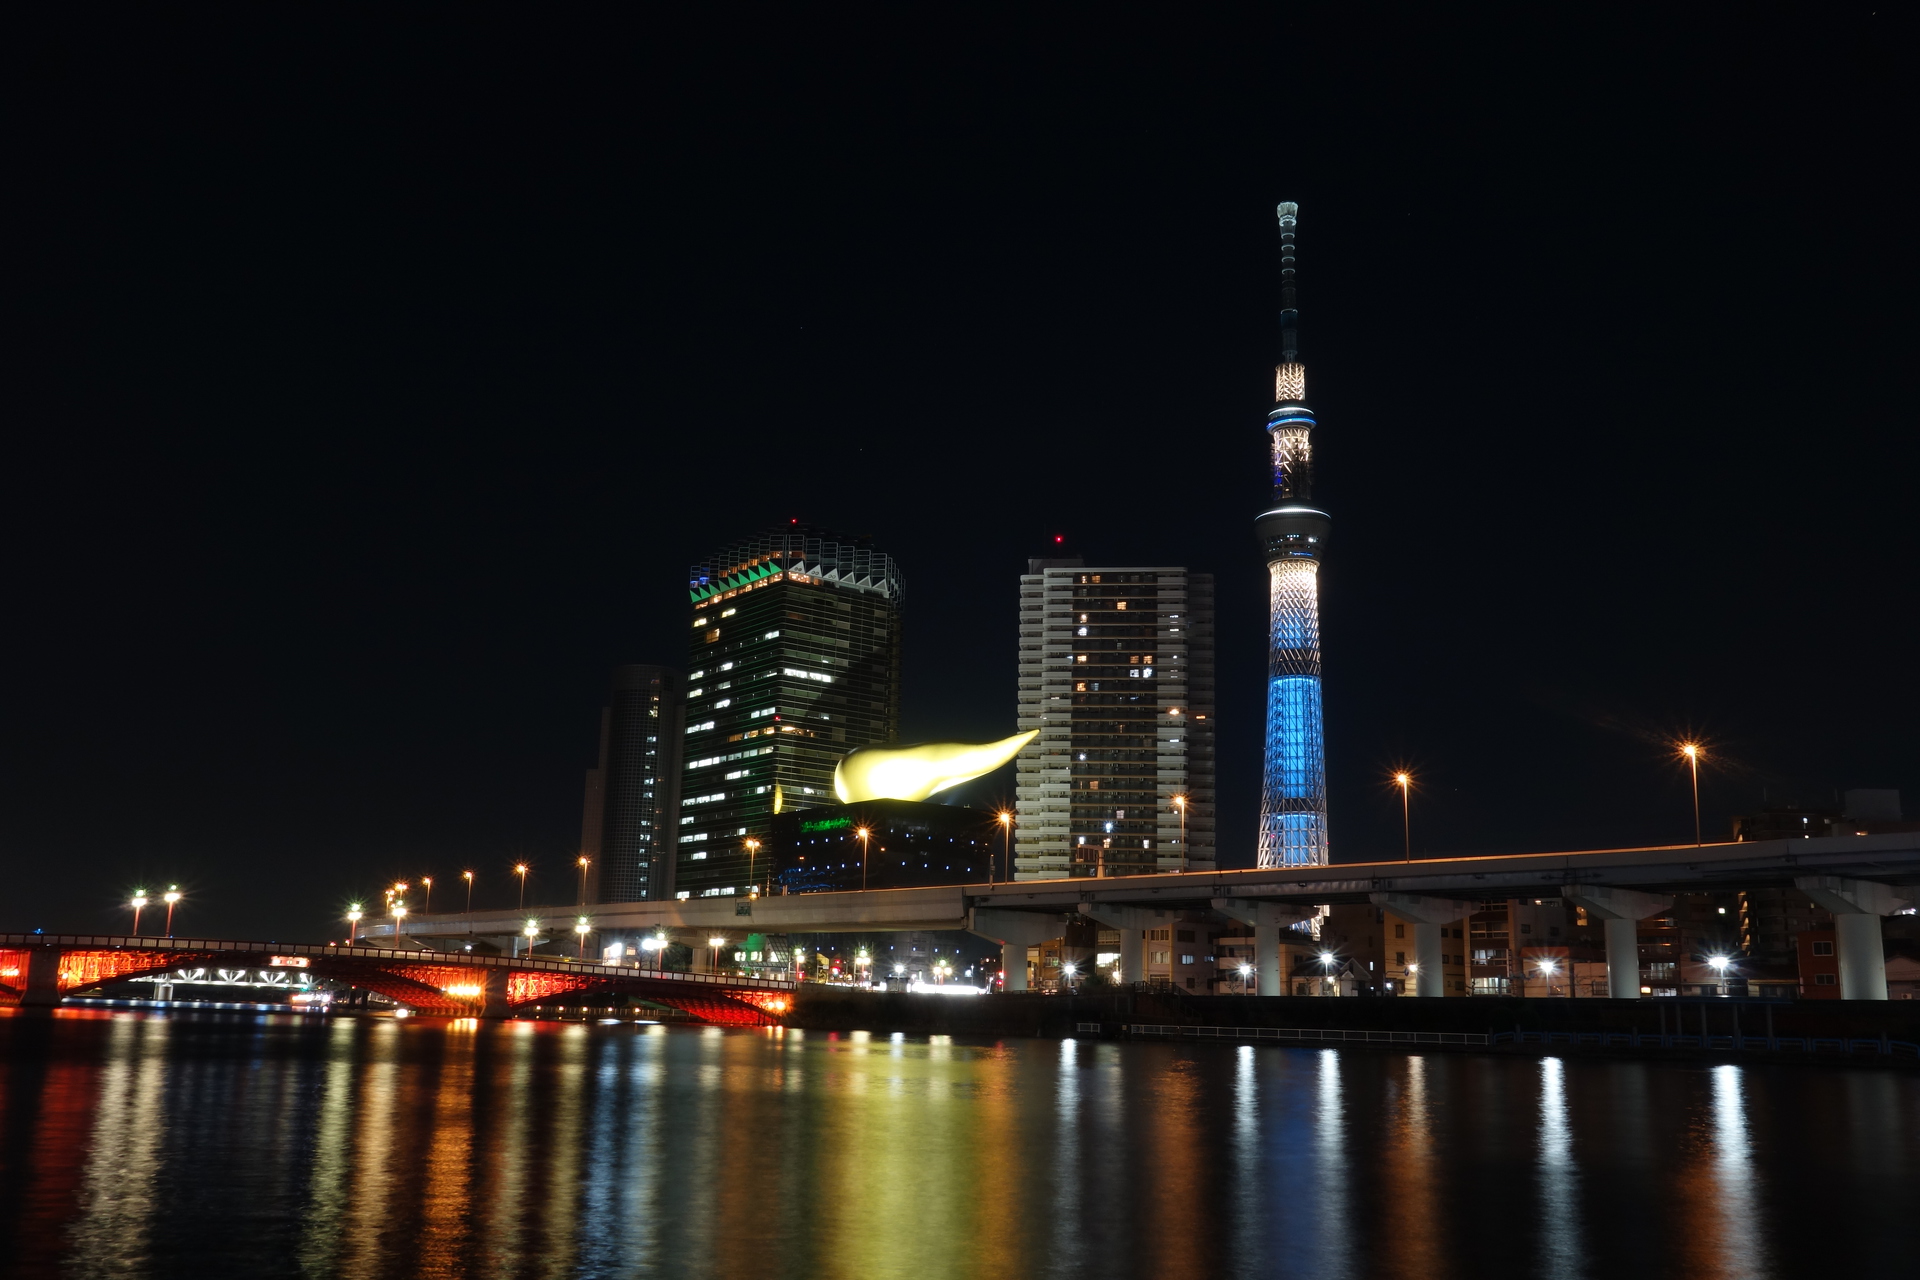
x,y
1860,878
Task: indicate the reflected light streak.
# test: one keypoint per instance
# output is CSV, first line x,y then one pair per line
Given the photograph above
x,y
1558,1177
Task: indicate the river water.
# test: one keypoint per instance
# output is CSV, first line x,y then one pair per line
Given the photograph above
x,y
139,1144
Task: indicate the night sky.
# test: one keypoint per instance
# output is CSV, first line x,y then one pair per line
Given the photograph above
x,y
372,383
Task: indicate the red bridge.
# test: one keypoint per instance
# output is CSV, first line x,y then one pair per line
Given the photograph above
x,y
42,969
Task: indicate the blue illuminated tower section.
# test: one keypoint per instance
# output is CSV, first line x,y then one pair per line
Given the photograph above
x,y
1293,533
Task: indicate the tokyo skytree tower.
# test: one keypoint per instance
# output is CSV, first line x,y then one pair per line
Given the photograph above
x,y
1293,533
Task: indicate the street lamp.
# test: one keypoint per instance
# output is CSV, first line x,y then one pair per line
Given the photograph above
x,y
713,948
353,922
1720,965
1180,803
1326,970
1246,971
531,932
468,877
862,834
426,901
139,901
172,898
582,864
520,869
1005,819
1067,970
1548,966
582,928
399,921
1404,781
753,855
1693,751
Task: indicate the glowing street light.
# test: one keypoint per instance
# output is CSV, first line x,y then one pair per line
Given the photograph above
x,y
1246,971
1326,970
713,949
353,922
520,869
582,928
139,901
862,834
1067,970
468,877
1005,819
753,854
1180,803
172,898
1693,751
531,933
1404,781
426,900
399,920
583,862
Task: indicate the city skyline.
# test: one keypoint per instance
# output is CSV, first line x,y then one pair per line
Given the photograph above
x,y
327,562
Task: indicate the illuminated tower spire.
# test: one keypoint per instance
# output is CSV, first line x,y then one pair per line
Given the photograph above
x,y
1293,533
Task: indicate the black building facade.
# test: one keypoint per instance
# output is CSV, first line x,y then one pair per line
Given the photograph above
x,y
908,845
633,796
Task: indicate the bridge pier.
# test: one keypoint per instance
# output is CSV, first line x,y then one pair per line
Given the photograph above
x,y
1857,906
1015,931
1429,916
43,979
1620,912
1267,919
494,1004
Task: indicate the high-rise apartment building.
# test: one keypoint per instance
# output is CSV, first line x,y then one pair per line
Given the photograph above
x,y
1293,534
1116,672
795,661
632,805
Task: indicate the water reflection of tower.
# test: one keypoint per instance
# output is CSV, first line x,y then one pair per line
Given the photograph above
x,y
1293,533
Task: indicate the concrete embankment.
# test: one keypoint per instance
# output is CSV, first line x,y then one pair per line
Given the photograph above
x,y
1540,1023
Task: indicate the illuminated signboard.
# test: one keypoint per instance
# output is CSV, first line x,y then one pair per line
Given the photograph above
x,y
287,962
825,824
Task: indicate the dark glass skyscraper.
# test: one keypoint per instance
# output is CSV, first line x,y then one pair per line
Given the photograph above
x,y
633,797
795,661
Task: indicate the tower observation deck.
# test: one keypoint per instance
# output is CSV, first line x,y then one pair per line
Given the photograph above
x,y
1293,533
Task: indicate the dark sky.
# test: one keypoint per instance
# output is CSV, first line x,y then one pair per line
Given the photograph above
x,y
372,384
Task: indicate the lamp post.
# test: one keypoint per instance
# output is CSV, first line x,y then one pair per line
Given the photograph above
x,y
520,869
1720,965
1067,971
753,855
1404,781
1326,970
1548,967
582,928
531,932
862,834
468,877
1005,819
1693,751
172,898
426,899
139,901
1180,803
399,921
713,953
353,922
1246,971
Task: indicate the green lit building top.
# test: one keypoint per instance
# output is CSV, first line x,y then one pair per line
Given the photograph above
x,y
794,660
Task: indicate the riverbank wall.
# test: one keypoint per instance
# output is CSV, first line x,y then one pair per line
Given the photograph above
x,y
1889,1030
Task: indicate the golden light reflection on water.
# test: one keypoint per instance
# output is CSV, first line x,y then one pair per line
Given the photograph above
x,y
378,1148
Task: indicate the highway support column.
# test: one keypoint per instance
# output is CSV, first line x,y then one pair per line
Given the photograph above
x,y
1015,931
1620,912
1857,906
1267,919
1133,923
43,979
1429,916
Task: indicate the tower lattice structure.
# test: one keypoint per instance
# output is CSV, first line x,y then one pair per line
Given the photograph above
x,y
1293,533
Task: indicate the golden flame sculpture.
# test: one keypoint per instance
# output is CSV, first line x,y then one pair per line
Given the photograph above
x,y
914,773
